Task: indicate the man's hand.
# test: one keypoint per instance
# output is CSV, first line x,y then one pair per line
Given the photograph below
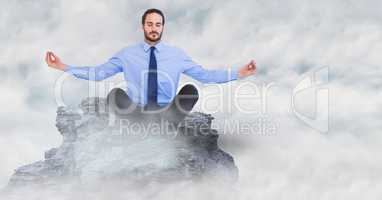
x,y
247,69
53,61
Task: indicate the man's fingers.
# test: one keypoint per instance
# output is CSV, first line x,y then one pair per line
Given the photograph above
x,y
49,57
46,57
52,57
249,65
253,64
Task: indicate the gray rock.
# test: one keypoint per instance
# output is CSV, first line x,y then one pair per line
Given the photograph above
x,y
97,149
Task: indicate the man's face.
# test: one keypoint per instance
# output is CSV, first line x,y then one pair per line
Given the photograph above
x,y
153,27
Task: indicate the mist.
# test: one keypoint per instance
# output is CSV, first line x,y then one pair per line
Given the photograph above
x,y
289,40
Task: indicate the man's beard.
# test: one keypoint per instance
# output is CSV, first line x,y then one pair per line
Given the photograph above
x,y
153,40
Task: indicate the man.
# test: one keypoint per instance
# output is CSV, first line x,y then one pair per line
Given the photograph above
x,y
152,70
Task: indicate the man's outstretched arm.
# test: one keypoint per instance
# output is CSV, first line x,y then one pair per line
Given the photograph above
x,y
197,72
96,73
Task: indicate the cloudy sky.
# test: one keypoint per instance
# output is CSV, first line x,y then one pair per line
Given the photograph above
x,y
290,40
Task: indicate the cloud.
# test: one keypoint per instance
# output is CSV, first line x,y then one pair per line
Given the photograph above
x,y
286,38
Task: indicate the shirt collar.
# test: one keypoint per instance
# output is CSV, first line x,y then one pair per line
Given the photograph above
x,y
158,46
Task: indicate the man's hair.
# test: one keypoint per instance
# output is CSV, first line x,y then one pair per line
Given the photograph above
x,y
152,10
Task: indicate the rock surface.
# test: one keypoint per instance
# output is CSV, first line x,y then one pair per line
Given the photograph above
x,y
96,148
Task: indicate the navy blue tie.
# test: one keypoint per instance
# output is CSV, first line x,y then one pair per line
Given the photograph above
x,y
152,87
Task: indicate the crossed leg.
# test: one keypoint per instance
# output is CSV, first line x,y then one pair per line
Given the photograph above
x,y
121,104
182,104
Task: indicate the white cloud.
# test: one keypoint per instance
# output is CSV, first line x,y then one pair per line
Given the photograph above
x,y
287,39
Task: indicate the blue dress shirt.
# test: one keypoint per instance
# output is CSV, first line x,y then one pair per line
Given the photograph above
x,y
133,61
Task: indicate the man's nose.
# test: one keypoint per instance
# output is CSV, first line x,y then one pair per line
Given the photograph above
x,y
156,29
